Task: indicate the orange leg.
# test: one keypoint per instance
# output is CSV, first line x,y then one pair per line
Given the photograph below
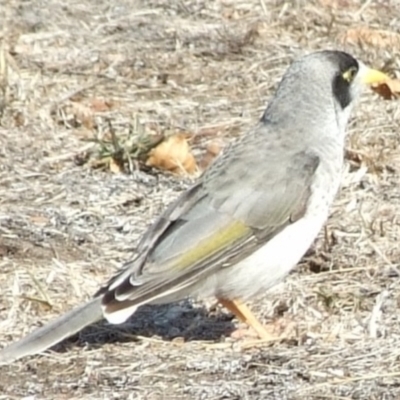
x,y
243,313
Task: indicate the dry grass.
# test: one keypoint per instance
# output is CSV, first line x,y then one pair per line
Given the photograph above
x,y
205,68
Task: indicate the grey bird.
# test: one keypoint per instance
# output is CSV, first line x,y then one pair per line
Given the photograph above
x,y
251,215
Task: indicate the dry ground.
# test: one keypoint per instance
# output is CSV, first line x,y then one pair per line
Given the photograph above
x,y
206,67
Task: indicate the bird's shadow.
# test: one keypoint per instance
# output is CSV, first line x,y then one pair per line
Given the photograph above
x,y
168,322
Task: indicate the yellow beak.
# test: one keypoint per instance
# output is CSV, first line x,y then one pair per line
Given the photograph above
x,y
373,77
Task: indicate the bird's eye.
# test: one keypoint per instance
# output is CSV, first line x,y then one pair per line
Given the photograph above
x,y
350,74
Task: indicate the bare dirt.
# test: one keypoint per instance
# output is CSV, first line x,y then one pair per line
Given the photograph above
x,y
207,68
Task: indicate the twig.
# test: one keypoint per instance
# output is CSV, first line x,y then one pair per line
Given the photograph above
x,y
350,379
363,8
376,314
264,7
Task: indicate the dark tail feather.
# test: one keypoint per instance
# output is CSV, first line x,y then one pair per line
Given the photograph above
x,y
54,332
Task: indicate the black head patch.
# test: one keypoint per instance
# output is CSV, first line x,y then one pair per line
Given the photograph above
x,y
341,85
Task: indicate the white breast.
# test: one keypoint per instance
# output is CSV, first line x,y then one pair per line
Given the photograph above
x,y
271,263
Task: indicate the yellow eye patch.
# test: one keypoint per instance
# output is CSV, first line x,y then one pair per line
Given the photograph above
x,y
350,74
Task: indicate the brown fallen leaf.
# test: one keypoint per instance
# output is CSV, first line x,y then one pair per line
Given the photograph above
x,y
212,151
75,113
379,38
39,219
116,166
174,155
389,89
99,104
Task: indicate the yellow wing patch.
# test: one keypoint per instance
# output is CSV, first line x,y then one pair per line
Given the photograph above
x,y
212,244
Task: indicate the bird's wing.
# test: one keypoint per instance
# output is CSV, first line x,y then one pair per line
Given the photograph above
x,y
237,206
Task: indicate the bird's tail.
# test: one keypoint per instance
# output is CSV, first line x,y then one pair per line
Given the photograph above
x,y
55,331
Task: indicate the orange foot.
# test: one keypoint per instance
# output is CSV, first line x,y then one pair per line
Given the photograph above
x,y
264,333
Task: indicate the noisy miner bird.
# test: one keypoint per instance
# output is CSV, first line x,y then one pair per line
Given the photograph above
x,y
249,218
